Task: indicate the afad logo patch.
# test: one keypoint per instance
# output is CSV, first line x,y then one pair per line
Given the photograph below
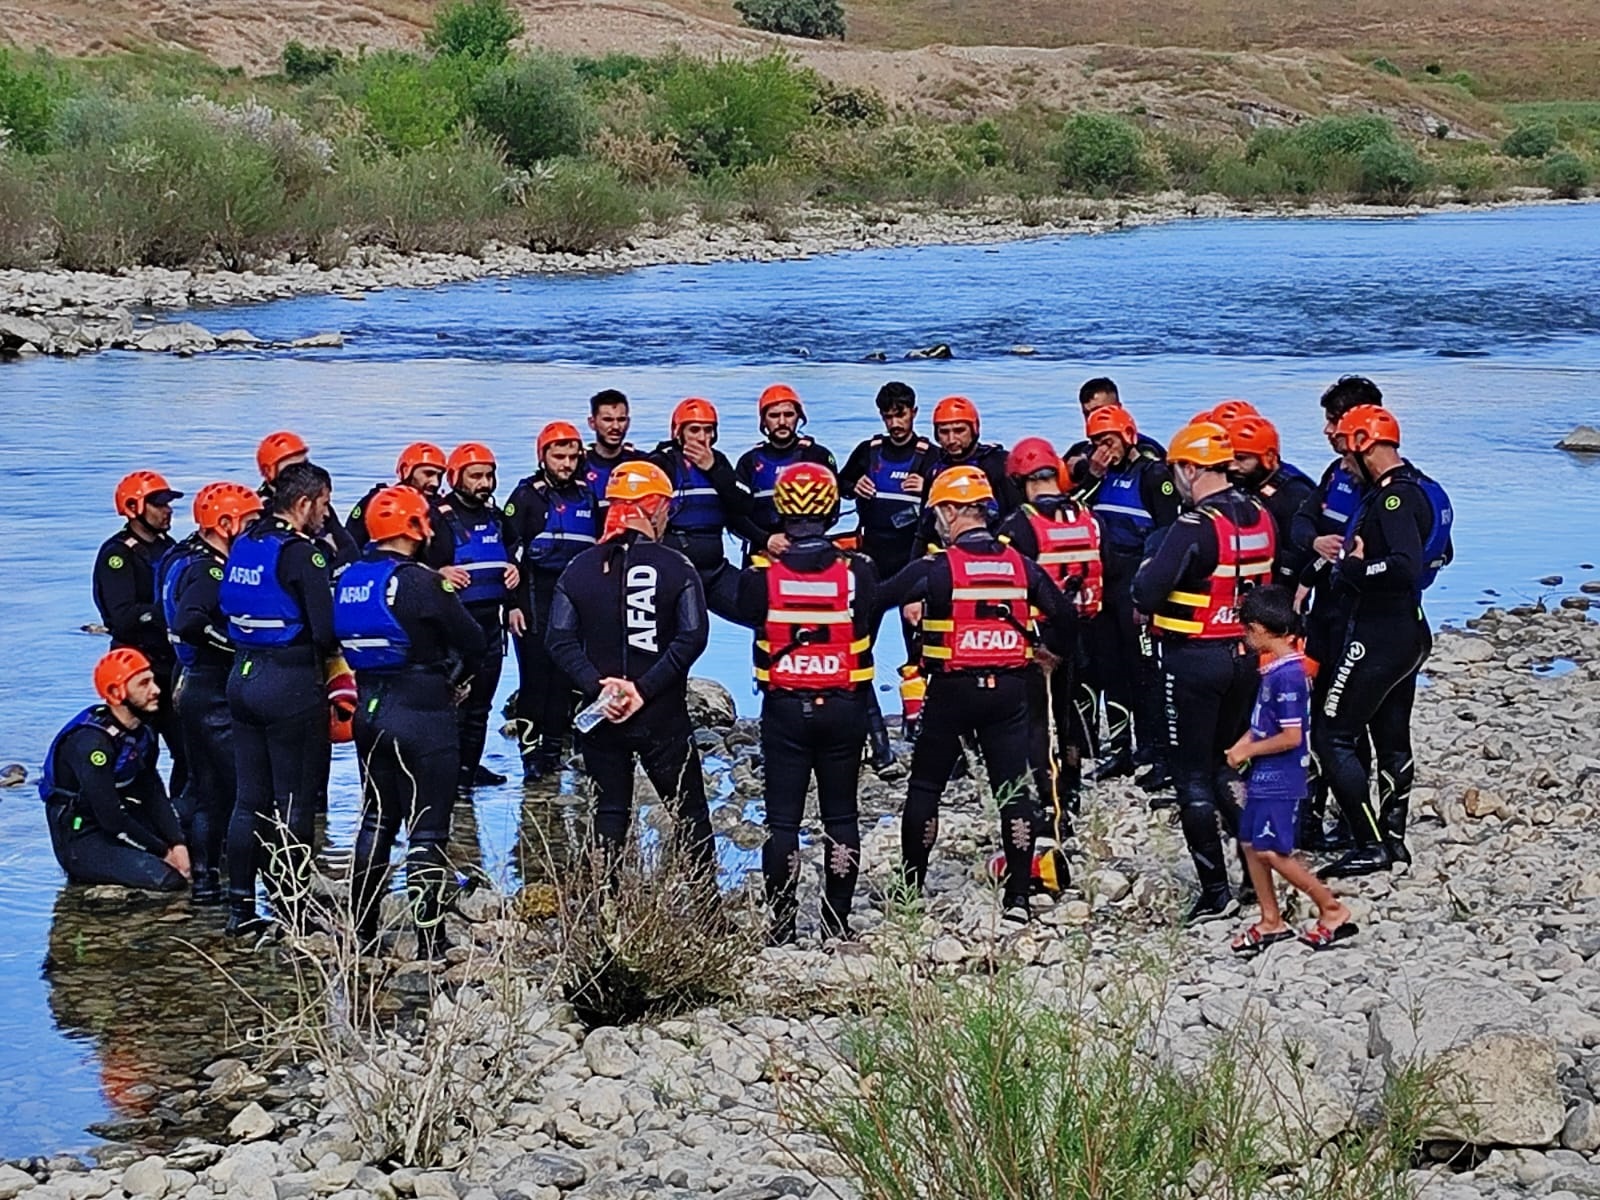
x,y
317,559
115,562
98,758
1392,503
1166,487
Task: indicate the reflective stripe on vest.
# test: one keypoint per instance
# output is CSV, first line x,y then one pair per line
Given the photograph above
x,y
136,751
1120,506
363,617
570,528
1340,500
480,548
261,613
808,643
1244,561
990,623
1069,548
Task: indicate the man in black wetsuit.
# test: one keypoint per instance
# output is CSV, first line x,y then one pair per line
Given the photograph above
x,y
610,420
1282,488
780,415
1098,393
410,641
627,623
109,817
283,449
1397,543
707,499
421,466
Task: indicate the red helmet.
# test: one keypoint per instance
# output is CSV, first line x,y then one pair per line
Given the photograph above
x,y
693,411
1030,456
1366,425
468,454
806,489
115,671
398,512
954,409
418,454
779,393
1231,410
140,488
276,447
1252,435
1112,418
218,500
554,434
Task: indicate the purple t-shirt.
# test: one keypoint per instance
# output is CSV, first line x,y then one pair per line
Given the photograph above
x,y
1283,702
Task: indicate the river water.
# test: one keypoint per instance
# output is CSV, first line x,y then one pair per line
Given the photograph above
x,y
1483,329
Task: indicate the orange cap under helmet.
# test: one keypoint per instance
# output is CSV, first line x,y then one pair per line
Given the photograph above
x,y
1112,418
468,454
1231,410
1253,435
779,393
554,434
955,409
139,488
639,480
398,512
1204,443
693,411
418,454
1030,456
115,671
276,447
961,485
225,499
806,489
1366,425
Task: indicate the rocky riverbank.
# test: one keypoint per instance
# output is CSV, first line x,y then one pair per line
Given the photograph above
x,y
1481,958
73,312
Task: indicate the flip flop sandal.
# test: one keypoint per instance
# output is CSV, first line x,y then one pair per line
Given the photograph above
x,y
1253,941
1320,937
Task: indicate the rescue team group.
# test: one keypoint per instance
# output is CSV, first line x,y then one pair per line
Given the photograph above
x,y
1163,589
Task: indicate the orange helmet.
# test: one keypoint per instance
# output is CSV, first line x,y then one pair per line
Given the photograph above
x,y
1112,418
961,485
115,671
779,393
1030,456
1252,435
954,409
1231,410
141,488
218,500
276,447
418,454
468,454
1204,444
1366,425
636,481
806,489
693,411
554,434
398,512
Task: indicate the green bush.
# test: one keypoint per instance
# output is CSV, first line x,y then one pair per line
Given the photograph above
x,y
731,113
578,207
1187,160
1327,136
610,69
24,222
446,199
1097,152
798,18
1533,140
1391,172
1565,175
1384,67
536,106
27,107
302,63
841,105
482,29
410,104
1241,178
1473,178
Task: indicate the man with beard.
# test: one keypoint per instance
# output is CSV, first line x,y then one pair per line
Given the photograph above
x,y
956,426
707,500
473,528
610,420
552,518
421,467
1282,488
282,449
126,594
780,416
109,817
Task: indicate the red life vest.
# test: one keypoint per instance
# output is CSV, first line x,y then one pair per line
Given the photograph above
x,y
809,642
1069,548
990,625
1244,561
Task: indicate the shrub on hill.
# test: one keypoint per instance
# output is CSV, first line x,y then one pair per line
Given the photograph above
x,y
798,18
731,113
1533,140
536,107
482,29
1391,172
27,107
302,63
1097,152
1565,175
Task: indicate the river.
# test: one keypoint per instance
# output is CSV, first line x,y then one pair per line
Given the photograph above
x,y
1483,330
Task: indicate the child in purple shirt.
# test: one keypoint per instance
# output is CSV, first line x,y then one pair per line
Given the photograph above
x,y
1274,750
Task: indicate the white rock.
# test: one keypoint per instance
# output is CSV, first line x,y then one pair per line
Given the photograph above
x,y
1581,1132
183,336
14,1181
147,1177
251,1123
1585,439
318,341
607,1052
17,331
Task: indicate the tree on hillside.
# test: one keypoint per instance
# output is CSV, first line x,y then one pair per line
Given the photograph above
x,y
482,29
799,18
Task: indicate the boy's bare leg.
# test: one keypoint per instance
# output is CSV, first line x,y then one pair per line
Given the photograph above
x,y
1330,912
1261,877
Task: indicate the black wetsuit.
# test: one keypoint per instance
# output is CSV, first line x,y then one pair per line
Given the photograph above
x,y
1284,493
704,505
808,732
634,609
890,521
757,473
435,551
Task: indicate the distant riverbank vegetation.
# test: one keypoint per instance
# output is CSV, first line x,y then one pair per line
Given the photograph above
x,y
166,159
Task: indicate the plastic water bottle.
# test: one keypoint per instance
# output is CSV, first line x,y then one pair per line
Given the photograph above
x,y
594,713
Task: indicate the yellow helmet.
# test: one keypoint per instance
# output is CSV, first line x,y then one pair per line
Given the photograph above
x,y
1203,443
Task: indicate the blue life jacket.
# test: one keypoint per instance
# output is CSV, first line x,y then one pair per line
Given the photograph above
x,y
261,613
1340,500
597,470
696,507
363,621
891,510
136,751
1119,503
571,526
767,460
1290,471
480,547
1436,550
169,571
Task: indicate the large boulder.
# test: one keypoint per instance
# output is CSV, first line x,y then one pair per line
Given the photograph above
x,y
182,337
18,332
711,705
1493,1051
1585,439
